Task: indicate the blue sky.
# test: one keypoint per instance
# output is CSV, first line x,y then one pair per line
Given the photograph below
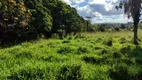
x,y
101,11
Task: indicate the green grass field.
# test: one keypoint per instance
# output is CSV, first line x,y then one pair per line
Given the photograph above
x,y
86,56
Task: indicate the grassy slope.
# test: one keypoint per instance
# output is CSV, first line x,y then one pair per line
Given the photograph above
x,y
89,56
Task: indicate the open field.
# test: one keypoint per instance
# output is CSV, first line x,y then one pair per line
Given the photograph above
x,y
86,56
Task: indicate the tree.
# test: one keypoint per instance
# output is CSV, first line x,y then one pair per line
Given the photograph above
x,y
132,9
14,20
54,16
87,22
41,18
65,18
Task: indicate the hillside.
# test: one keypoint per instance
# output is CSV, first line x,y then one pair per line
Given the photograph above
x,y
86,56
49,40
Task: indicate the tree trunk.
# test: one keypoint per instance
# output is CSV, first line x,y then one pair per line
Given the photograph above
x,y
135,34
136,22
87,26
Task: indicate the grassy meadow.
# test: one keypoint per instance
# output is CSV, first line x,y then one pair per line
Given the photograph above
x,y
85,56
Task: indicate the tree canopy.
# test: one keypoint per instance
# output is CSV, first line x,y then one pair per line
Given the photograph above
x,y
14,20
132,8
39,17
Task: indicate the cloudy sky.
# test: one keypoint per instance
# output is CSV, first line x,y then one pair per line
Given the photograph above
x,y
101,11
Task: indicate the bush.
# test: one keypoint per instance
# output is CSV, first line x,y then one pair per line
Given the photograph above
x,y
116,29
93,60
117,55
55,36
126,49
24,54
121,73
81,50
104,51
65,50
108,42
72,72
123,40
27,74
66,41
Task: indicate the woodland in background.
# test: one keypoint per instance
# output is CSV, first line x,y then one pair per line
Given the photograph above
x,y
24,20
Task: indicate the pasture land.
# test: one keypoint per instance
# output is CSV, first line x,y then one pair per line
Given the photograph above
x,y
86,56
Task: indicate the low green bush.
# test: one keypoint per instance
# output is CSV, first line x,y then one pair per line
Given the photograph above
x,y
82,50
72,72
108,42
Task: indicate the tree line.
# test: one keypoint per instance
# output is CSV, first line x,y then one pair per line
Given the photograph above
x,y
28,19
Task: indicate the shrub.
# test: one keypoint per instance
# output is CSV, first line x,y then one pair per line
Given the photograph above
x,y
127,61
116,29
81,36
65,50
99,40
27,74
117,55
126,49
121,73
72,72
104,51
93,60
139,61
81,50
123,40
66,41
108,42
55,36
24,54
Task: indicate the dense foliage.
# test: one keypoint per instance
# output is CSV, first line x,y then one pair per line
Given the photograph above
x,y
14,21
20,19
54,16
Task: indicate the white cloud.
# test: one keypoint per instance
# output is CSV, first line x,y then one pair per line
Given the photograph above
x,y
77,1
96,1
121,18
107,3
67,1
114,1
101,1
101,11
108,7
73,1
85,11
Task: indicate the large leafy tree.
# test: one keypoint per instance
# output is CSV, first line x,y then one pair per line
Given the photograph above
x,y
41,19
132,8
14,20
65,18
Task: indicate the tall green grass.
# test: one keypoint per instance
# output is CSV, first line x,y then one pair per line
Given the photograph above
x,y
86,56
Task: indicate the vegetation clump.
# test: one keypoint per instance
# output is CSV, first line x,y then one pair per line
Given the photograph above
x,y
70,73
27,74
82,50
121,73
65,50
108,42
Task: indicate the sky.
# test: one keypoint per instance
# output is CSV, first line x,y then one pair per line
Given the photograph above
x,y
100,11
